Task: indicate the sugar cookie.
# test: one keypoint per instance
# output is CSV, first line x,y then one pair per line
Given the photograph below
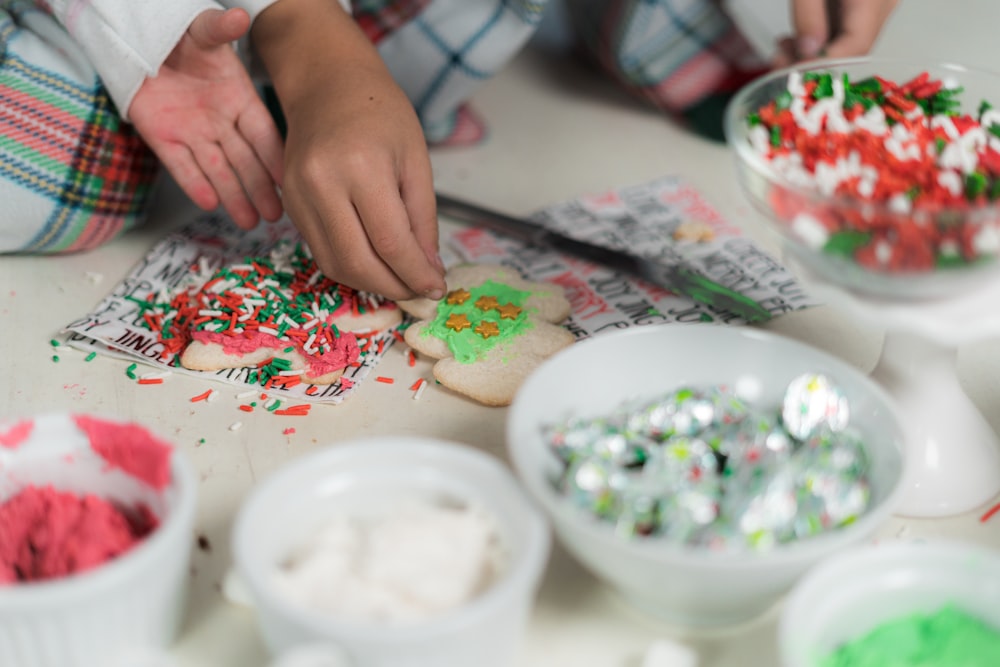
x,y
277,312
490,331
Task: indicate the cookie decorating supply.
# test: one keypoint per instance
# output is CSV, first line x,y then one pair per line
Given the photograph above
x,y
201,397
906,146
989,513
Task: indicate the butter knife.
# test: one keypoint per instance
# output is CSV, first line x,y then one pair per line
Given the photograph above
x,y
678,279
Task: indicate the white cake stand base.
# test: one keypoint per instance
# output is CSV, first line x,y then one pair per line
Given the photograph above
x,y
954,453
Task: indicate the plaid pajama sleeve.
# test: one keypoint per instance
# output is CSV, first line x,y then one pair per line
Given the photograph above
x,y
441,51
686,57
73,175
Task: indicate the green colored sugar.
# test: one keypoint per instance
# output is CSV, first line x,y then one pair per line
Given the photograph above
x,y
949,637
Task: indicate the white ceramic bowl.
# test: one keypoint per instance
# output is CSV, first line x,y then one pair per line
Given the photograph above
x,y
849,595
781,202
686,585
118,613
286,508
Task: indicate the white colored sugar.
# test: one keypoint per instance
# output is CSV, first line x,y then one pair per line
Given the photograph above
x,y
416,561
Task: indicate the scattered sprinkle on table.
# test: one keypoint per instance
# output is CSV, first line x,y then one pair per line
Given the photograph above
x,y
989,513
202,396
300,410
420,385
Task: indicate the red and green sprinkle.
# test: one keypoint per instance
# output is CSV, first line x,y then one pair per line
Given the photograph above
x,y
282,299
887,174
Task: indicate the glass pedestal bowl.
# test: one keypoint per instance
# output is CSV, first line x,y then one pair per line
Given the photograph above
x,y
913,251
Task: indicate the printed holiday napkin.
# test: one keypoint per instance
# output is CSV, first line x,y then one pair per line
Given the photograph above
x,y
666,220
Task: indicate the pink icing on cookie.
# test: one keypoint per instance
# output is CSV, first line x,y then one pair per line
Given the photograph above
x,y
16,434
129,447
335,358
48,534
351,302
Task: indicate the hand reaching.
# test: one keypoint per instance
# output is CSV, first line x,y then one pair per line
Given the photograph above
x,y
359,187
358,180
204,120
833,28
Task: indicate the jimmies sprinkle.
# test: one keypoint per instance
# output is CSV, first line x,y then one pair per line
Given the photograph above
x,y
281,302
892,175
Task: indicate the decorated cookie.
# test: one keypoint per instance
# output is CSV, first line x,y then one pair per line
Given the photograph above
x,y
490,331
276,312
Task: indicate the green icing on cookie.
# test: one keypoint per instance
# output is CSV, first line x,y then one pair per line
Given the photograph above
x,y
947,638
472,330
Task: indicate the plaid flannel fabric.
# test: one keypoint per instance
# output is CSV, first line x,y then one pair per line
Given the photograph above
x,y
441,51
686,57
72,174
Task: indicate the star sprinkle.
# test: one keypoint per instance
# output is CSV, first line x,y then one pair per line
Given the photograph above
x,y
458,296
487,329
458,322
508,311
487,303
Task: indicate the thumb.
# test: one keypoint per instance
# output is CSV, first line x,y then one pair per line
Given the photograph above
x,y
812,27
215,27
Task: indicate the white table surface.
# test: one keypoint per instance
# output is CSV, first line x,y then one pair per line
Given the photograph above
x,y
557,131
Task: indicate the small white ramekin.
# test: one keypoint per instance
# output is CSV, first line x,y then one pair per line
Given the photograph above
x,y
285,509
118,613
851,594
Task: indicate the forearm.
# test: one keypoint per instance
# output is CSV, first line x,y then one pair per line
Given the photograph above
x,y
304,42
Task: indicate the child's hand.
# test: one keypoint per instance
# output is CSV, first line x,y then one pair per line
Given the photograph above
x,y
358,185
205,121
358,181
838,29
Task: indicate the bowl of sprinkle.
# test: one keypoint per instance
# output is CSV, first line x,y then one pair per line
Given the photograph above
x,y
879,176
96,523
905,604
709,469
391,551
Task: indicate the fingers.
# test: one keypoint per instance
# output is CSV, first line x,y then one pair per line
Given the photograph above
x,y
342,251
220,173
812,27
258,128
786,53
362,236
835,29
179,161
861,21
253,178
215,27
388,227
417,192
229,172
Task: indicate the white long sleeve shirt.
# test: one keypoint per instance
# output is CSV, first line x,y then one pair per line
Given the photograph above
x,y
128,40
